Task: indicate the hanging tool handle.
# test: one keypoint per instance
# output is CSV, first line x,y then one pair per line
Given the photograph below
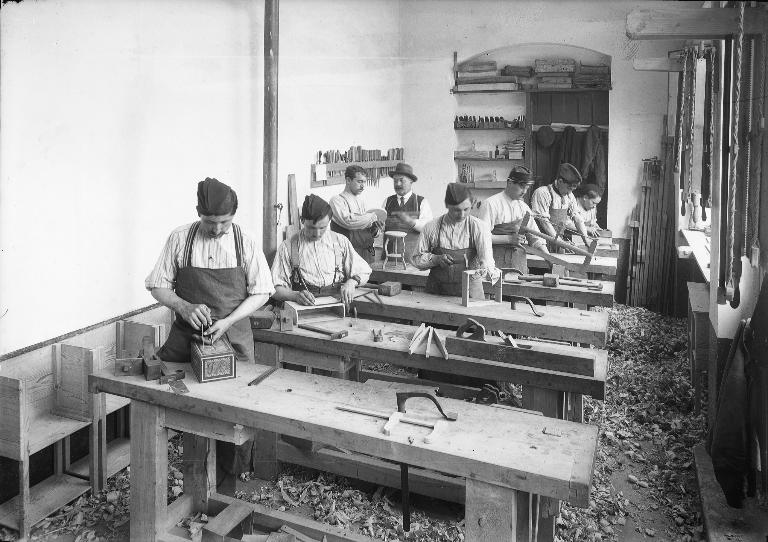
x,y
403,396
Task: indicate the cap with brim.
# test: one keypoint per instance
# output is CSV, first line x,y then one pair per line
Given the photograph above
x,y
404,169
521,175
569,173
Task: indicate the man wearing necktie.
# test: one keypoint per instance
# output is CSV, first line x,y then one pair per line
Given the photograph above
x,y
406,211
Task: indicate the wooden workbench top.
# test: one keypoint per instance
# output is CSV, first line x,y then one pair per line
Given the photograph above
x,y
557,323
359,344
513,449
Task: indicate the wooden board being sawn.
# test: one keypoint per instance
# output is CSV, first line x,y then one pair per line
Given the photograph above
x,y
510,449
599,264
557,323
545,367
563,294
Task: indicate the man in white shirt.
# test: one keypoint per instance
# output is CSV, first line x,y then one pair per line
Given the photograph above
x,y
555,203
350,217
503,212
406,212
317,261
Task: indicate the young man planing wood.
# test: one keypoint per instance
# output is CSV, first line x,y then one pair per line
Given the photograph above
x,y
554,204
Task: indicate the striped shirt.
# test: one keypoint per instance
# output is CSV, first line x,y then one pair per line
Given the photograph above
x,y
501,209
317,261
456,236
210,253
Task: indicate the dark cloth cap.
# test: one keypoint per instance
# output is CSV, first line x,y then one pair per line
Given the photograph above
x,y
455,193
404,169
545,136
587,189
569,173
215,198
521,175
315,208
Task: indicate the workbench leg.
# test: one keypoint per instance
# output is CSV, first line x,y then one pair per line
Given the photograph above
x,y
149,471
490,512
551,403
24,504
266,466
199,467
120,417
575,407
97,461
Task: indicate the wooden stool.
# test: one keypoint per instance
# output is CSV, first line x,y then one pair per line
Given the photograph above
x,y
698,337
397,238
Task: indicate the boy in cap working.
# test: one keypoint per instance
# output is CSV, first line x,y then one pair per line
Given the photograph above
x,y
503,212
317,261
350,217
212,275
406,211
454,242
555,203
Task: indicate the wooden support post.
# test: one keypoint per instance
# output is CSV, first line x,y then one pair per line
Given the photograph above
x,y
264,455
24,501
465,278
691,22
491,512
97,432
271,50
199,467
149,455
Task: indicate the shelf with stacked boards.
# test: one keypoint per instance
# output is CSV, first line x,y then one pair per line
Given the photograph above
x,y
460,159
455,90
521,130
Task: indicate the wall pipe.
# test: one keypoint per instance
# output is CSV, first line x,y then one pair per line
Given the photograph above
x,y
271,43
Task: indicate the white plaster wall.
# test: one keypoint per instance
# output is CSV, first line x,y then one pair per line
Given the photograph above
x,y
432,30
111,113
339,86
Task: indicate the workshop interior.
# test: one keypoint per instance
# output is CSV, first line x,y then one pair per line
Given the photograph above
x,y
376,270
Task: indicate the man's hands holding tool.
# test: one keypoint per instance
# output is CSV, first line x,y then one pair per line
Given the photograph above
x,y
444,260
217,330
303,297
347,292
197,315
405,217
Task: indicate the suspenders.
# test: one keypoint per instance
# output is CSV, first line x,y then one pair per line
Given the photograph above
x,y
187,254
338,261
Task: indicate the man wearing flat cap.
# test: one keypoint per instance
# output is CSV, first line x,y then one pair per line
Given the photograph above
x,y
503,212
406,211
555,203
317,261
455,242
350,217
213,276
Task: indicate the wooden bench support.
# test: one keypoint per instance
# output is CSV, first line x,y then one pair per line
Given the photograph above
x,y
149,440
493,514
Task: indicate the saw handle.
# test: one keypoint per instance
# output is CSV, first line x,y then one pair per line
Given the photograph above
x,y
403,396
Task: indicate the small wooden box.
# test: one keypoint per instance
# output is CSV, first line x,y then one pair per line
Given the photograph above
x,y
213,362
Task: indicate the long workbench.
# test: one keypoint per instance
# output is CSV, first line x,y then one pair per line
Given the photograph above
x,y
417,279
557,323
545,365
498,452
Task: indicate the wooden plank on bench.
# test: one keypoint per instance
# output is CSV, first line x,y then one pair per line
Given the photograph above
x,y
45,498
226,521
118,457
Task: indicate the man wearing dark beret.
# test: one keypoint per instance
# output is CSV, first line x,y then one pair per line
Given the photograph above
x,y
454,242
317,261
503,212
213,276
406,211
555,203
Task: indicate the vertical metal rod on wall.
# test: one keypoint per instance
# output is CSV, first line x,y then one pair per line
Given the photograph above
x,y
271,43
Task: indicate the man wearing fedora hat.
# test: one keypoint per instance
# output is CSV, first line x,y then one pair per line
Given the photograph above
x,y
554,204
406,212
503,212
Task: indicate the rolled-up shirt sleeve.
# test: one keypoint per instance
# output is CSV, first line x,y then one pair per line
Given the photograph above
x,y
425,215
163,275
343,216
354,264
541,201
281,267
423,257
484,248
258,277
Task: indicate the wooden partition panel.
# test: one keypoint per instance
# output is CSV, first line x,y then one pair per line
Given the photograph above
x,y
12,416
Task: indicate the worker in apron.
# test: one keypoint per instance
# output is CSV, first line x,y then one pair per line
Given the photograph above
x,y
449,245
317,262
406,211
554,204
504,212
212,275
350,217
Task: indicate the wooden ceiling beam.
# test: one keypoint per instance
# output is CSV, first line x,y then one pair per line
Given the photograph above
x,y
692,22
658,64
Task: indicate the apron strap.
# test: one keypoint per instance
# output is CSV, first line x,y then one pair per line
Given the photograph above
x,y
187,254
238,245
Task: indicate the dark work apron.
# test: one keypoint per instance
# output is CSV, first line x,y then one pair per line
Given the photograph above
x,y
394,223
447,280
558,217
362,240
298,283
509,256
222,290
